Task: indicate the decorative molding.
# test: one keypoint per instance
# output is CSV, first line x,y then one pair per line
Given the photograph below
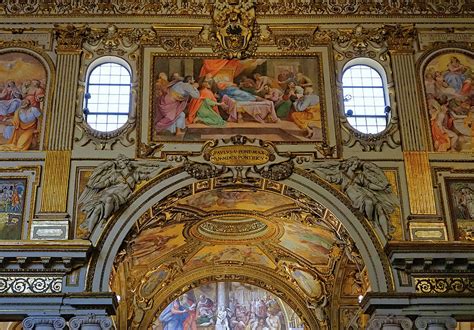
x,y
30,284
16,37
438,285
44,322
436,37
263,8
56,256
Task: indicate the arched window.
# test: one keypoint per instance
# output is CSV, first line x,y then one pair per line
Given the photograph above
x,y
365,95
108,94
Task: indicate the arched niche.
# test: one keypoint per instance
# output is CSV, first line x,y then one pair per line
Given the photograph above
x,y
109,238
445,77
31,73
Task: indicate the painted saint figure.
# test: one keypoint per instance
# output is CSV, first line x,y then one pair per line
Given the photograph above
x,y
173,316
170,110
22,128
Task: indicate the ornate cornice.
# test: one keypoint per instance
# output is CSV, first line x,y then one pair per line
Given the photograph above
x,y
263,8
422,258
43,256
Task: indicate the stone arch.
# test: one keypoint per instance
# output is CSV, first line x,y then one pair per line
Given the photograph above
x,y
109,238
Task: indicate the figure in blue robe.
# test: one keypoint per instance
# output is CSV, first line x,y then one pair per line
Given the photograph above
x,y
173,316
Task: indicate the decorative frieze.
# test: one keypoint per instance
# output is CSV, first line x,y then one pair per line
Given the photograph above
x,y
263,8
30,284
438,285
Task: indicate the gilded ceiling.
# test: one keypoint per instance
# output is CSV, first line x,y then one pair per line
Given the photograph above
x,y
263,233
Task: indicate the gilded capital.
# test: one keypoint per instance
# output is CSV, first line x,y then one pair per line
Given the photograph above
x,y
399,38
70,37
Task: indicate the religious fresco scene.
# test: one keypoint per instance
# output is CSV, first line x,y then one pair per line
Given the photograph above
x,y
221,235
461,203
228,305
22,96
272,99
12,207
450,100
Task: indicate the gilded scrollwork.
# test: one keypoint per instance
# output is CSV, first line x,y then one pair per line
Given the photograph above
x,y
443,285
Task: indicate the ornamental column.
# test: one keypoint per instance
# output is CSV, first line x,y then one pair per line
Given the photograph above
x,y
388,322
44,323
60,134
435,323
400,41
91,322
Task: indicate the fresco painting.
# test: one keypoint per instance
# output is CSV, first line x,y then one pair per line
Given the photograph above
x,y
461,203
276,99
314,244
210,255
22,94
12,206
450,100
227,306
154,243
217,200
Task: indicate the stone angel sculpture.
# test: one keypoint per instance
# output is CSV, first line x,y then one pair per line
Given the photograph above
x,y
111,185
366,186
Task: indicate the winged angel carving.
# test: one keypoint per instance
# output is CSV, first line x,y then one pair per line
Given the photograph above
x,y
366,186
111,185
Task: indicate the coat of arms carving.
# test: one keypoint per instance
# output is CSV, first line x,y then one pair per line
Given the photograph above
x,y
234,26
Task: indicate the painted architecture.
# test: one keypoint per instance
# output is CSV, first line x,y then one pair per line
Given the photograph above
x,y
230,164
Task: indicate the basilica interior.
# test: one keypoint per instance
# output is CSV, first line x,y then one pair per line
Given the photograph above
x,y
236,164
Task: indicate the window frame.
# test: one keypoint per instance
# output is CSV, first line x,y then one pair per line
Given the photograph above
x,y
90,69
377,67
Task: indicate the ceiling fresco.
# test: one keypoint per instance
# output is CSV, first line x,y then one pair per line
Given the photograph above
x,y
266,233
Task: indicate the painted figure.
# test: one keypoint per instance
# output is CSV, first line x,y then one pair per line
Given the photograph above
x,y
10,98
21,128
173,316
169,114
